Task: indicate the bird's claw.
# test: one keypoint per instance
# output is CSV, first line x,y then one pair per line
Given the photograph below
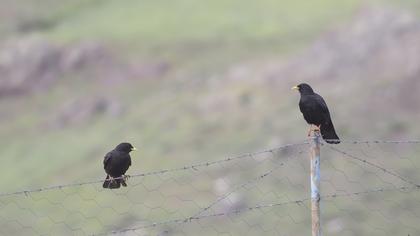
x,y
310,131
111,179
314,129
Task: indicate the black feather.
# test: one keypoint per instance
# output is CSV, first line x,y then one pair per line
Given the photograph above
x,y
116,163
315,112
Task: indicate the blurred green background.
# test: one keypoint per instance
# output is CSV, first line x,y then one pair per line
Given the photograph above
x,y
190,81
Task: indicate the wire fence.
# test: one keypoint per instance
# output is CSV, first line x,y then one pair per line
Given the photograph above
x,y
367,188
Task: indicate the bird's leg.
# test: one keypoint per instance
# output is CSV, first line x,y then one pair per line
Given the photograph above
x,y
316,129
111,179
310,130
125,177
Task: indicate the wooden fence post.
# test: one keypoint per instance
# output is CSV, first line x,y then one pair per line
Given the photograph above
x,y
315,183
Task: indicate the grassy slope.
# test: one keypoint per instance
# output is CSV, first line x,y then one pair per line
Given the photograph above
x,y
150,25
163,115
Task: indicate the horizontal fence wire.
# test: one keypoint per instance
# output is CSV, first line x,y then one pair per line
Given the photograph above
x,y
376,141
206,164
345,154
265,192
194,167
261,206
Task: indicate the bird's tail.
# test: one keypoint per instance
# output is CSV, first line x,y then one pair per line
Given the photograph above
x,y
112,184
329,135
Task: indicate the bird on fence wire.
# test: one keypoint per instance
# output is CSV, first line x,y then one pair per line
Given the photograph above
x,y
316,113
116,163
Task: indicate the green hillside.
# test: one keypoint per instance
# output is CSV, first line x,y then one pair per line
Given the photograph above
x,y
189,82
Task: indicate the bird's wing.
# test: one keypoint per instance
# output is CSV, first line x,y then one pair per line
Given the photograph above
x,y
107,159
322,104
325,112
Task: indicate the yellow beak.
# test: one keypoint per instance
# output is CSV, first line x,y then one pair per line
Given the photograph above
x,y
134,149
295,88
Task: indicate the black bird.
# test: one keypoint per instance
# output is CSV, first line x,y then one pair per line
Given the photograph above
x,y
116,163
315,112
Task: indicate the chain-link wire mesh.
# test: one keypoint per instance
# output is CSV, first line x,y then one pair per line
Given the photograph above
x,y
367,188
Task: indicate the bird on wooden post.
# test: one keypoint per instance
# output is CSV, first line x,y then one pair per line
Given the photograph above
x,y
316,113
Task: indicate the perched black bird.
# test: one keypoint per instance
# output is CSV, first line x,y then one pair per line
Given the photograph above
x,y
315,112
116,163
